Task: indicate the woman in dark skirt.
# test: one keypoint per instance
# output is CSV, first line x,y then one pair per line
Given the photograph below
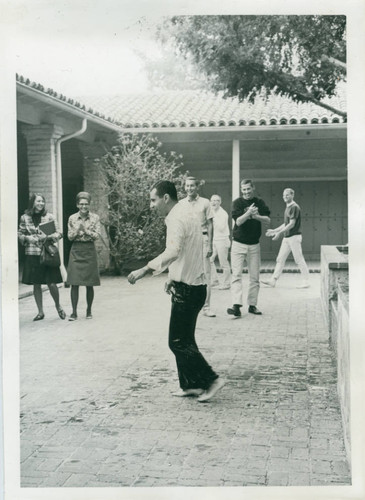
x,y
32,238
82,269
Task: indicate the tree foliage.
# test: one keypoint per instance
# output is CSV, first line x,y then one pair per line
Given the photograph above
x,y
300,56
129,171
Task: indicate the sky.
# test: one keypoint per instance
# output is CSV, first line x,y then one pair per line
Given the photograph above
x,y
88,47
83,67
84,47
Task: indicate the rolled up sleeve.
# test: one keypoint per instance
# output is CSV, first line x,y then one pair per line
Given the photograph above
x,y
174,242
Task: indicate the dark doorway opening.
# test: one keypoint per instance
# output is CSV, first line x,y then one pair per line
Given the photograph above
x,y
73,183
23,185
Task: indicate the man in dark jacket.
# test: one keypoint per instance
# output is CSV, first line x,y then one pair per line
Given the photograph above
x,y
248,212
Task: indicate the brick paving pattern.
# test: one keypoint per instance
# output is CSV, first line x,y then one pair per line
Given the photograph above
x,y
97,410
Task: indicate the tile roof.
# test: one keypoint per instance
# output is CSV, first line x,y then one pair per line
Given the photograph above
x,y
38,87
191,108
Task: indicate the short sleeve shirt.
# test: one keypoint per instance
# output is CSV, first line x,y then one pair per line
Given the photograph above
x,y
292,212
220,225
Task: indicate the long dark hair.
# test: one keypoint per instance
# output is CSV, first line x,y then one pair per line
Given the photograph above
x,y
30,210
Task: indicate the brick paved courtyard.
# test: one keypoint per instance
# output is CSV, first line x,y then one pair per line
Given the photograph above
x,y
97,410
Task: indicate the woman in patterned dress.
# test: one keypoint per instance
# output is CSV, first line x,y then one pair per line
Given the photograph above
x,y
32,238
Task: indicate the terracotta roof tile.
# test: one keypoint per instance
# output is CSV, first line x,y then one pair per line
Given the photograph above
x,y
190,108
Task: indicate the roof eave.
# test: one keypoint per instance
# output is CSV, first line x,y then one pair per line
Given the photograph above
x,y
253,128
66,107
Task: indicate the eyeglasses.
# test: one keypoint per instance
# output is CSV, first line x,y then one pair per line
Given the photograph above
x,y
83,204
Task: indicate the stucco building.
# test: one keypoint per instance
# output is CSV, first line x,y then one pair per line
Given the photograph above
x,y
277,143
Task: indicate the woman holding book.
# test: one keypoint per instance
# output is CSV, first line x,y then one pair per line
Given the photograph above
x,y
32,238
82,269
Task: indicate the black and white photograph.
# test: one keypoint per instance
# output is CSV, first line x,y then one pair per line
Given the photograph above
x,y
182,241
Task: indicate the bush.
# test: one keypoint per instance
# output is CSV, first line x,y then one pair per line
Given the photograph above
x,y
129,171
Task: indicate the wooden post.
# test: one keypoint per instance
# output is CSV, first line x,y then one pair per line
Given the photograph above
x,y
235,169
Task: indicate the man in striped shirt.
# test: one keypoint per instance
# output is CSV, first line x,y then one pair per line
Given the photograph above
x,y
201,209
183,256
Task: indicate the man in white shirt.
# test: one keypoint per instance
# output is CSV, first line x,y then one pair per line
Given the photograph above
x,y
186,284
221,243
200,208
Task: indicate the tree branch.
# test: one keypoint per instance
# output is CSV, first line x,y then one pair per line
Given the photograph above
x,y
294,82
309,97
334,61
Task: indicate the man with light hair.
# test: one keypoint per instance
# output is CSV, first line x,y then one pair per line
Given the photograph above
x,y
291,242
199,208
248,212
221,243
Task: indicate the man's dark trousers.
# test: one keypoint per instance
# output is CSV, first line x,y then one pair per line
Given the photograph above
x,y
186,302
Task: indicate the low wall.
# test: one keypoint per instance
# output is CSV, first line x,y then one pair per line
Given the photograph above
x,y
334,270
334,297
343,362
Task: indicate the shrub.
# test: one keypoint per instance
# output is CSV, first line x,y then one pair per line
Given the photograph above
x,y
129,170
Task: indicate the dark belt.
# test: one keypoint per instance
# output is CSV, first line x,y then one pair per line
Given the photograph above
x,y
205,232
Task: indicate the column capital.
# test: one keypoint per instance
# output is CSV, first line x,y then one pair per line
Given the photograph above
x,y
45,131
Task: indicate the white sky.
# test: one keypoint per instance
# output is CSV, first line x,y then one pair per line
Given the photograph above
x,y
83,47
80,67
87,47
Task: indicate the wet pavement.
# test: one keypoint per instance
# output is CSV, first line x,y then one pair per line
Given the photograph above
x,y
97,409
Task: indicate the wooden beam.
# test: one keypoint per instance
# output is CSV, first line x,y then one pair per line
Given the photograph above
x,y
235,169
310,148
264,133
274,164
28,114
274,174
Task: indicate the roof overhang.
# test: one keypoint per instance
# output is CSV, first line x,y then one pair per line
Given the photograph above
x,y
35,107
261,132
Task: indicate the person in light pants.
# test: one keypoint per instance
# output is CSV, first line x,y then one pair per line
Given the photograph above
x,y
242,253
199,208
248,212
292,241
221,243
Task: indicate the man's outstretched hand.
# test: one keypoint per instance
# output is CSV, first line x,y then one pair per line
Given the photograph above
x,y
137,275
271,233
